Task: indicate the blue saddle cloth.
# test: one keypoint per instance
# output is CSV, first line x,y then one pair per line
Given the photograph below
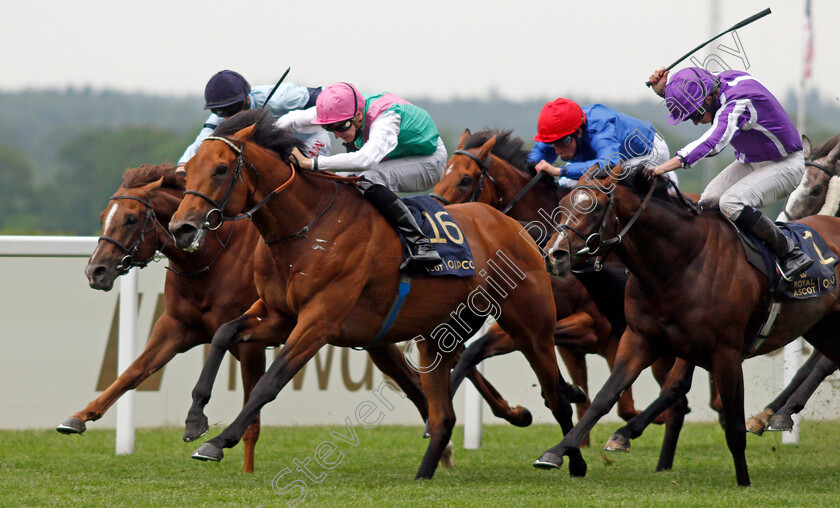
x,y
446,236
816,281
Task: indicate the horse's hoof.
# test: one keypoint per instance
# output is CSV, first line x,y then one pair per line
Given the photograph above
x,y
780,422
577,467
548,461
208,451
71,426
427,432
577,395
617,443
758,424
446,457
196,429
527,418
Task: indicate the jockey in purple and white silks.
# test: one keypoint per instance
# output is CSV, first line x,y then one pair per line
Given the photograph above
x,y
228,93
392,144
768,150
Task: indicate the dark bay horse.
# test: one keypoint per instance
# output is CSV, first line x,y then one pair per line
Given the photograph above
x,y
692,294
326,273
203,290
494,171
818,193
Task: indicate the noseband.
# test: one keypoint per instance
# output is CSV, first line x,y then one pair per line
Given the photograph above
x,y
128,261
215,217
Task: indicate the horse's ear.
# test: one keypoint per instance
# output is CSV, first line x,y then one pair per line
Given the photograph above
x,y
244,134
463,139
807,147
175,179
486,148
834,154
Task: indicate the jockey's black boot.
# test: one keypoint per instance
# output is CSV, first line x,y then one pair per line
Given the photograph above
x,y
792,261
422,254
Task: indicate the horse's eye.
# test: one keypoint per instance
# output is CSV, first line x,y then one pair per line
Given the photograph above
x,y
221,170
131,220
817,190
466,181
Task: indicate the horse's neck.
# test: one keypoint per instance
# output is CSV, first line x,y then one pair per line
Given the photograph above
x,y
293,208
510,181
661,243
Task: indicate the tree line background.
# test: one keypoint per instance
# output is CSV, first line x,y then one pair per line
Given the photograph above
x,y
63,153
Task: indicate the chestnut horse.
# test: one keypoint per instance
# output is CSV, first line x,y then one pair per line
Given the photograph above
x,y
203,290
692,293
327,273
818,193
491,168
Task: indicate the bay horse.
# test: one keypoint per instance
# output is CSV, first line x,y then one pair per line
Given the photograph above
x,y
203,290
817,193
692,293
327,273
490,167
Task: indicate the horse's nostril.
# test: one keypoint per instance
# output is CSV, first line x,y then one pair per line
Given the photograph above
x,y
98,272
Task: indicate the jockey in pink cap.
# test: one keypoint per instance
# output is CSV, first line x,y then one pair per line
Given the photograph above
x,y
392,144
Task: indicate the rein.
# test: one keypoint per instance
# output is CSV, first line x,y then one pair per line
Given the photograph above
x,y
237,175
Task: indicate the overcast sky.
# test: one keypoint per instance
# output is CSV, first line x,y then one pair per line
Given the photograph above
x,y
596,49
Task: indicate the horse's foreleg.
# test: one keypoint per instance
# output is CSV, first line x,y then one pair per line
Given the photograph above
x,y
576,365
310,334
226,336
729,380
634,355
168,338
441,412
391,361
822,368
495,342
252,365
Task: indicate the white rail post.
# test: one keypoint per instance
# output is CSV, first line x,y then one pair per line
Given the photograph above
x,y
793,360
473,406
126,354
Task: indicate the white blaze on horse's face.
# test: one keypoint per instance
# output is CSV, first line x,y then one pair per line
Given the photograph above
x,y
582,201
109,217
449,169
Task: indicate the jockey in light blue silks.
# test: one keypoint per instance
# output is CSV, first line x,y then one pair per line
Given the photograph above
x,y
768,150
228,93
392,144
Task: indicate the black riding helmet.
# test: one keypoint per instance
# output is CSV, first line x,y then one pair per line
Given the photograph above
x,y
224,89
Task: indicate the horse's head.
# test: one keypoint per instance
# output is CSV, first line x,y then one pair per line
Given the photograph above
x,y
585,220
467,174
217,188
132,228
821,166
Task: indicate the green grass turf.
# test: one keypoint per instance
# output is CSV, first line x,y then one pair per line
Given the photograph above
x,y
45,468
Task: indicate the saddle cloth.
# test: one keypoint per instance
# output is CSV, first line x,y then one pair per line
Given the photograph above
x,y
446,236
816,281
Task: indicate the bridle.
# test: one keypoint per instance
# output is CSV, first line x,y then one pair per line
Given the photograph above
x,y
825,169
215,217
484,166
594,244
128,261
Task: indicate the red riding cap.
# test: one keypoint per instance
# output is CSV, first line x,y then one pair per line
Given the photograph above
x,y
558,118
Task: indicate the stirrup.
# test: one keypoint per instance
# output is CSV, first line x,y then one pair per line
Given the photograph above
x,y
794,264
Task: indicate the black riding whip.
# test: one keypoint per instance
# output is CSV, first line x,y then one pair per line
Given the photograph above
x,y
743,23
278,85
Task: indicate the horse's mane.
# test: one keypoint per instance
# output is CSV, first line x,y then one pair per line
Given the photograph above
x,y
638,182
148,173
264,134
823,149
509,148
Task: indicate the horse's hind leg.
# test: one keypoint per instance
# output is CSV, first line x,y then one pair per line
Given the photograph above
x,y
576,365
168,338
441,412
796,402
518,416
757,424
675,387
252,365
391,360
